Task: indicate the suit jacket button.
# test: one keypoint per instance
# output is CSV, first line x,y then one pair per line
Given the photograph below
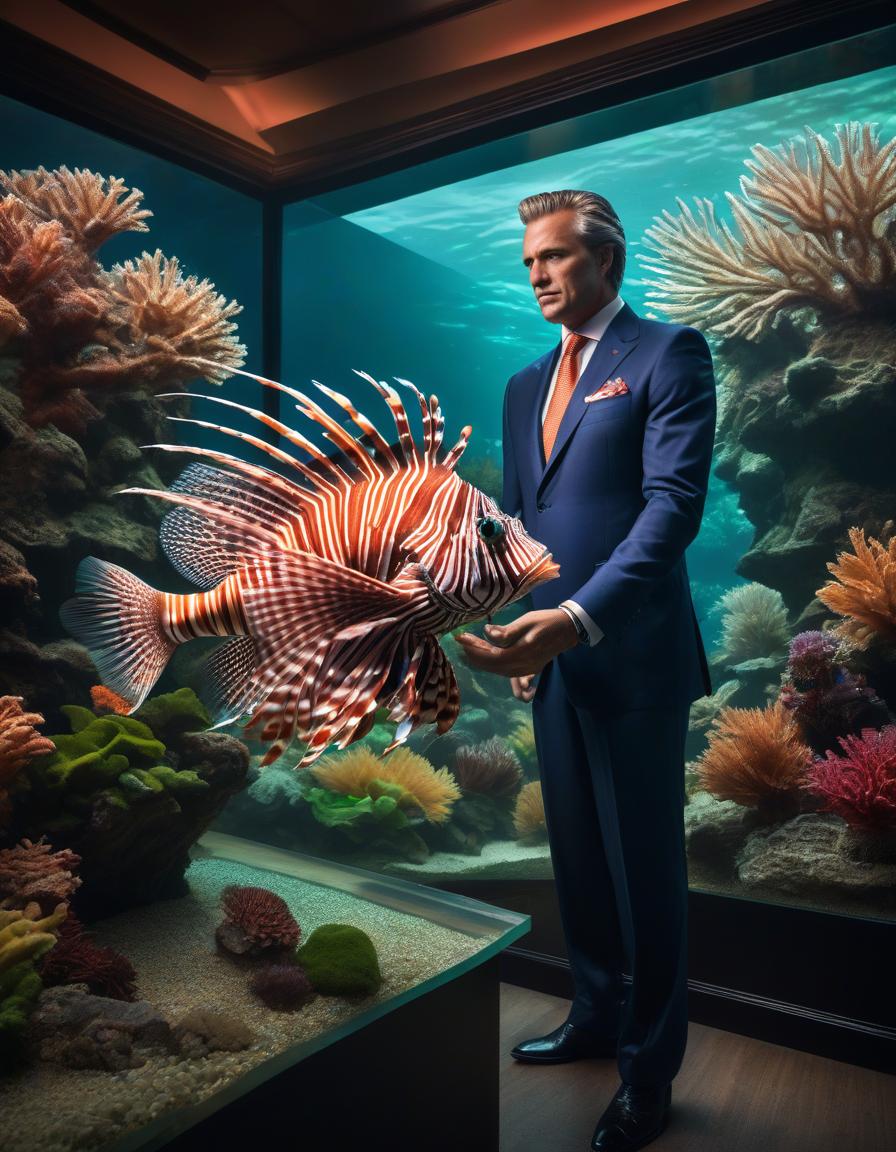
x,y
541,507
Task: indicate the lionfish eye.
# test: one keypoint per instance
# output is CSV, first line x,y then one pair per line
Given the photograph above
x,y
489,529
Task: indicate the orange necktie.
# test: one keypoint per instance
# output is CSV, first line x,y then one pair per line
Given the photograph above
x,y
567,375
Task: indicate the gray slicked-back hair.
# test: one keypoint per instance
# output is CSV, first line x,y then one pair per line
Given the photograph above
x,y
596,222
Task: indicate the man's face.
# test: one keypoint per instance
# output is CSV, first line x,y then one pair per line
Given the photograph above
x,y
569,280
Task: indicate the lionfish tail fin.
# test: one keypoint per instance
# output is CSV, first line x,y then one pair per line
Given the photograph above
x,y
230,670
118,619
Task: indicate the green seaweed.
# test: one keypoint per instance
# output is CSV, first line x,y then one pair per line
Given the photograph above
x,y
377,820
174,713
20,987
340,960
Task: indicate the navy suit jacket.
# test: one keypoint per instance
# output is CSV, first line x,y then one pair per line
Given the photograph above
x,y
618,504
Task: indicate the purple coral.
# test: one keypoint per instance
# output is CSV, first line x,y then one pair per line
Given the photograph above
x,y
282,986
827,700
860,784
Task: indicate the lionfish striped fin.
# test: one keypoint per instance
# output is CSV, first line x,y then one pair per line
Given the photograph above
x,y
370,437
253,538
428,693
406,444
118,618
231,671
458,450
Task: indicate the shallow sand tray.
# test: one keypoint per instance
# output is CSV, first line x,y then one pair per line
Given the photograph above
x,y
424,939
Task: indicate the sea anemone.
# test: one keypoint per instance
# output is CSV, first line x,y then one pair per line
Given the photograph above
x,y
77,959
490,768
256,921
810,659
34,872
282,986
528,814
864,590
522,741
754,623
755,757
353,774
859,784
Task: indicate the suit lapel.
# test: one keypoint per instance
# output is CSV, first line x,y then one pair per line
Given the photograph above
x,y
620,338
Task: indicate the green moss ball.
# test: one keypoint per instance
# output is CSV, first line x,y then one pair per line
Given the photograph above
x,y
340,960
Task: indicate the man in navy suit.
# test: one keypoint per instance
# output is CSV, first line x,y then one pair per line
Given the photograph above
x,y
608,441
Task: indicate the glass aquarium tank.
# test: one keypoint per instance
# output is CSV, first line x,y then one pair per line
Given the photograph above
x,y
153,972
760,208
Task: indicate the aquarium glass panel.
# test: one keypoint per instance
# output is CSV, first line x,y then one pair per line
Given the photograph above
x,y
759,208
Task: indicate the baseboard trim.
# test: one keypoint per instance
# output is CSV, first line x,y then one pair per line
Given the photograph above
x,y
760,1017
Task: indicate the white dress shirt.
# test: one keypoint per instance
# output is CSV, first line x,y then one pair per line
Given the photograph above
x,y
593,329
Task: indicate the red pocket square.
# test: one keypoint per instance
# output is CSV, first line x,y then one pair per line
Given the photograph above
x,y
615,387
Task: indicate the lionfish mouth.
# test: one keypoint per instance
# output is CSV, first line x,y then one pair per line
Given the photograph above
x,y
542,570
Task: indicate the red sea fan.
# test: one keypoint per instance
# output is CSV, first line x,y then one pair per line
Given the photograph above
x,y
256,921
860,784
77,959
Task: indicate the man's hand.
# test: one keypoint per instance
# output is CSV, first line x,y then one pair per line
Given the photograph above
x,y
521,649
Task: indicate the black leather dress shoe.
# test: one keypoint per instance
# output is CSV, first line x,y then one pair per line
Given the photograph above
x,y
562,1045
635,1117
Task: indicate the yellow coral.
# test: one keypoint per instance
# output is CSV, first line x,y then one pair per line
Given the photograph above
x,y
353,773
528,814
89,207
522,740
175,316
864,591
755,757
811,236
25,934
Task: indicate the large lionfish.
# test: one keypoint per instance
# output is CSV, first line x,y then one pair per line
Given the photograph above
x,y
334,584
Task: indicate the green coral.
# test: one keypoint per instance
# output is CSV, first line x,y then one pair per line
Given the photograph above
x,y
377,819
340,960
174,713
115,757
20,987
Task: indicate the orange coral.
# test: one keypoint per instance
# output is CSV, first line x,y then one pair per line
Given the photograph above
x,y
88,206
864,591
78,330
34,872
105,700
354,772
19,742
755,757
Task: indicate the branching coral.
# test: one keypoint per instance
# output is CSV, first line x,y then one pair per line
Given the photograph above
x,y
814,233
25,934
34,872
756,758
528,815
859,784
20,743
864,590
172,323
754,623
77,959
89,208
256,921
355,773
78,330
489,769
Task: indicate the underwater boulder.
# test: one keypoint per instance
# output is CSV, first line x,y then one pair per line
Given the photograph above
x,y
715,830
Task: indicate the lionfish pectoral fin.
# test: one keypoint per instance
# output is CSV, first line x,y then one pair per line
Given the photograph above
x,y
118,618
428,695
230,671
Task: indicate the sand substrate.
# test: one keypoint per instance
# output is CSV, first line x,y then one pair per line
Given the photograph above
x,y
171,944
500,859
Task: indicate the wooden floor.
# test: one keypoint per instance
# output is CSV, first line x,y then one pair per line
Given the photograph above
x,y
733,1094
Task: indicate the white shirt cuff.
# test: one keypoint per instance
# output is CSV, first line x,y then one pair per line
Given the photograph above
x,y
594,632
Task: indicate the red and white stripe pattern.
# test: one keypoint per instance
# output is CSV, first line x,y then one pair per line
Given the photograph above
x,y
334,575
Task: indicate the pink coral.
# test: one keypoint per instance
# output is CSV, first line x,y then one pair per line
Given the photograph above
x,y
35,872
256,922
860,784
20,742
